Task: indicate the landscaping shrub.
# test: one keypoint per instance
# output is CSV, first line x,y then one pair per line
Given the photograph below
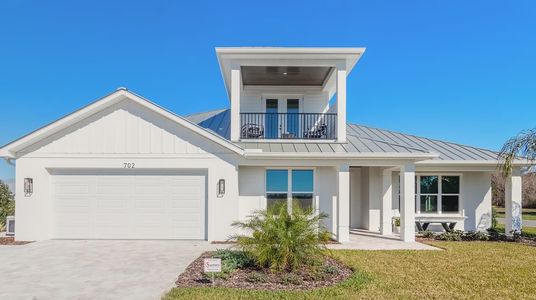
x,y
257,277
427,234
283,241
328,269
455,235
475,236
291,278
7,204
233,259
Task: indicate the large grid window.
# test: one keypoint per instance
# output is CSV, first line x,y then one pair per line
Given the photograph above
x,y
290,185
438,194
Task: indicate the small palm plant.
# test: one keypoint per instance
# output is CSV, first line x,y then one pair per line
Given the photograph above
x,y
521,146
282,241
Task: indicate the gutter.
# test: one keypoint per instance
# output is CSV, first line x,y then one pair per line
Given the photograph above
x,y
295,155
517,163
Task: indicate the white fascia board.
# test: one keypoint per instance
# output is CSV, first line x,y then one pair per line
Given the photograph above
x,y
391,156
517,163
4,153
10,149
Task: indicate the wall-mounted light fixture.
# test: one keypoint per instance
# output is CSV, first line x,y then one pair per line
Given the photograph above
x,y
221,188
28,187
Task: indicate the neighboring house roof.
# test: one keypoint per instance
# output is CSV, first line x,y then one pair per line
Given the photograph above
x,y
361,139
10,150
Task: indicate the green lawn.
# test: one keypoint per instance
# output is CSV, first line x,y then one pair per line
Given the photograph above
x,y
529,231
528,213
464,270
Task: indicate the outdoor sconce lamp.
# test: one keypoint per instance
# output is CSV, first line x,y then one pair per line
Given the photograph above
x,y
221,188
28,187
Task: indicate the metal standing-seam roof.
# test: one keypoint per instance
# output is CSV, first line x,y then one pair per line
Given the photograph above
x,y
360,139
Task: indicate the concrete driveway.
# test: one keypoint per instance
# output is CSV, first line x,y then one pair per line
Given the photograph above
x,y
97,269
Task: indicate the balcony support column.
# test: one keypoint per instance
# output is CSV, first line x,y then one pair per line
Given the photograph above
x,y
236,85
341,104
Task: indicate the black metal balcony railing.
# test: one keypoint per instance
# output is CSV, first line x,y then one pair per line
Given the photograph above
x,y
288,126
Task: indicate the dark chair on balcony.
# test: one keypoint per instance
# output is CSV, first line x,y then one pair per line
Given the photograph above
x,y
252,131
316,132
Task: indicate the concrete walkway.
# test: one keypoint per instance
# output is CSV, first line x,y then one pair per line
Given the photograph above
x,y
366,240
526,223
98,269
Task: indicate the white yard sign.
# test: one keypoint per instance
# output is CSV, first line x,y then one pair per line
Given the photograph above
x,y
212,265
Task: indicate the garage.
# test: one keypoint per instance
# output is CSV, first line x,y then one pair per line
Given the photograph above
x,y
128,204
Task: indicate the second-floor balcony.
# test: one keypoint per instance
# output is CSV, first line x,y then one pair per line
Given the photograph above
x,y
288,126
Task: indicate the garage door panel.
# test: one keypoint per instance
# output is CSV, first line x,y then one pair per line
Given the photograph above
x,y
72,189
129,206
110,203
191,217
113,187
75,202
187,205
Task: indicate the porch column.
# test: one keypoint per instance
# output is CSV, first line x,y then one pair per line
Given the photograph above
x,y
407,203
341,104
386,209
343,226
236,83
513,202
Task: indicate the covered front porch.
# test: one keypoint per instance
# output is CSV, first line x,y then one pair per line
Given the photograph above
x,y
366,240
445,198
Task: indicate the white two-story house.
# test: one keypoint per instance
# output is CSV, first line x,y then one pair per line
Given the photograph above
x,y
123,167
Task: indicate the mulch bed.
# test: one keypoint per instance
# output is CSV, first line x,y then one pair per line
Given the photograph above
x,y
193,277
9,240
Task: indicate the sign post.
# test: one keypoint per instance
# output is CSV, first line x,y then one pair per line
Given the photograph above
x,y
212,265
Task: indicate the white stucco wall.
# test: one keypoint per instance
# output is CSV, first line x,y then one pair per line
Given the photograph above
x,y
475,199
476,189
355,198
124,133
374,198
252,192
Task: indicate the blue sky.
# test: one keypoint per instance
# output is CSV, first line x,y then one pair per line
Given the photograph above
x,y
462,71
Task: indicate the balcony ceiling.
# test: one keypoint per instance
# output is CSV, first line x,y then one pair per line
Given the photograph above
x,y
285,76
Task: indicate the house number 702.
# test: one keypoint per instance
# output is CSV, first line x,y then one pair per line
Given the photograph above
x,y
129,165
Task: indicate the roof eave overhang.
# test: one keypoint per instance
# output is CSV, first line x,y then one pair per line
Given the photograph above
x,y
516,163
229,56
360,156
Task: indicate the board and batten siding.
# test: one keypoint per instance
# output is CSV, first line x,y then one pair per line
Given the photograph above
x,y
125,128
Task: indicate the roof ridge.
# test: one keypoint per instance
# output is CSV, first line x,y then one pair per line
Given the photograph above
x,y
421,137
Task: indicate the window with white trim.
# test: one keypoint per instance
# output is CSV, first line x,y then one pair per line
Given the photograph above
x,y
290,185
438,194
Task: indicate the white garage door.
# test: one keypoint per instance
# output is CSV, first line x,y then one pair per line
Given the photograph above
x,y
128,205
